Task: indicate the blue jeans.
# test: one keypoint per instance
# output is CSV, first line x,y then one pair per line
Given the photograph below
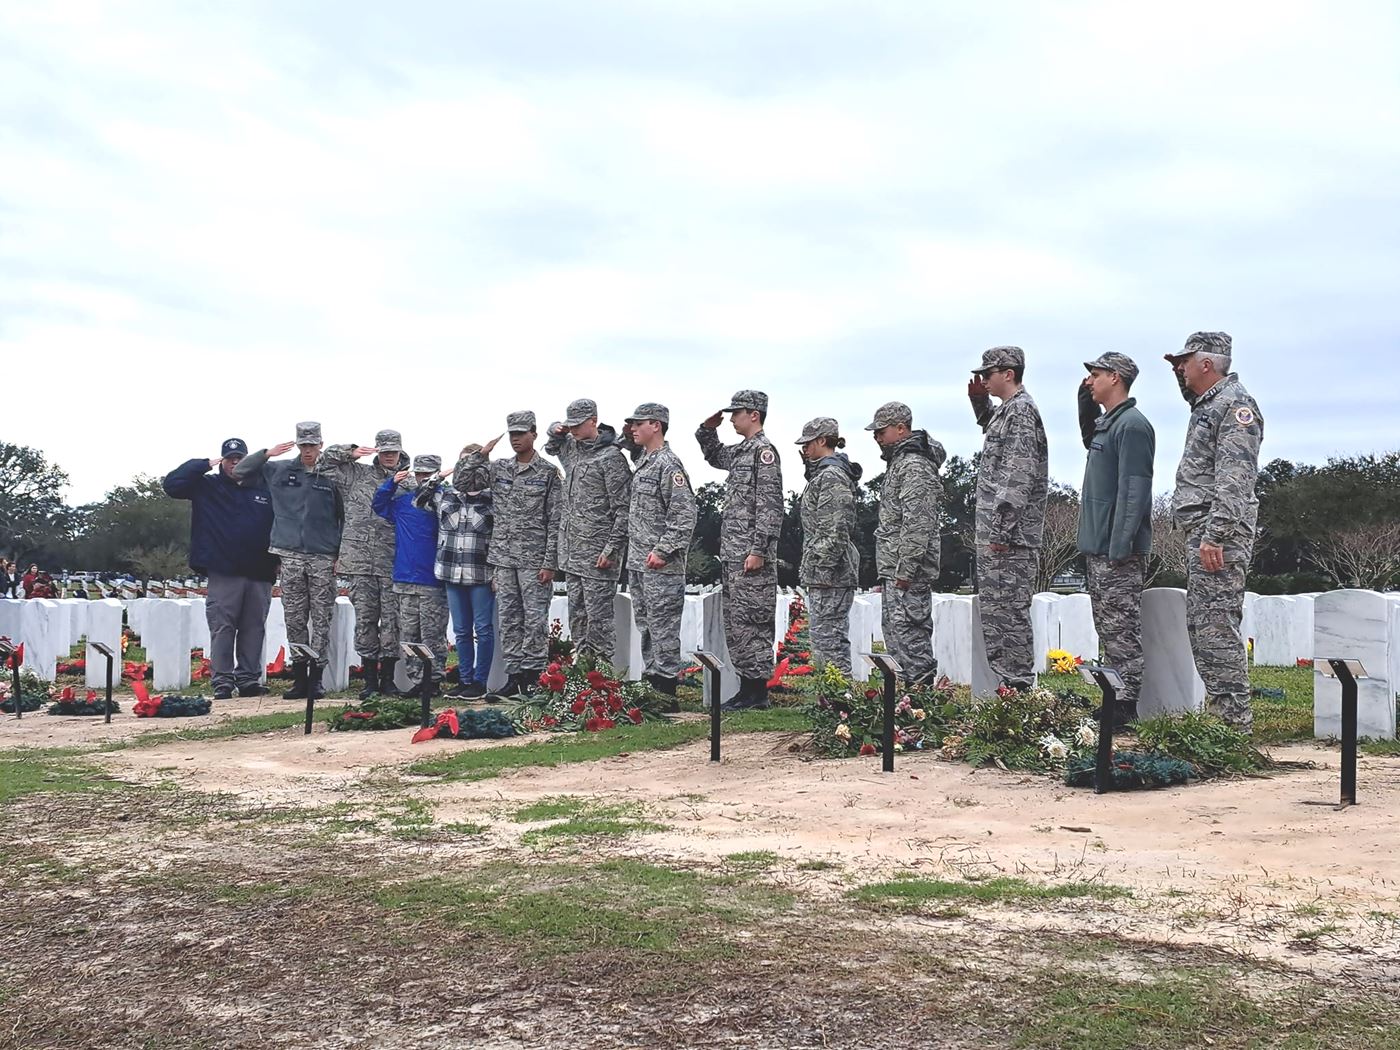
x,y
473,608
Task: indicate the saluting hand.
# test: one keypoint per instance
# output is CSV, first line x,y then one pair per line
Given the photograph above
x,y
279,449
360,451
486,448
398,478
714,421
976,388
215,461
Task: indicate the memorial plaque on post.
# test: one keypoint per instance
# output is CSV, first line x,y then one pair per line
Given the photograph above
x,y
714,668
420,652
1348,673
890,671
1109,681
109,656
309,656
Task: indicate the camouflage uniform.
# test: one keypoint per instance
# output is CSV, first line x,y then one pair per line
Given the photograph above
x,y
308,515
830,567
593,524
1115,522
525,541
1215,503
1012,483
751,524
423,619
367,546
661,519
908,542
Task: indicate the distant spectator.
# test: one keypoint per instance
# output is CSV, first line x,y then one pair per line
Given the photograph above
x,y
9,580
230,529
27,580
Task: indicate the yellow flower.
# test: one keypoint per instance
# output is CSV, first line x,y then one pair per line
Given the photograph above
x,y
843,732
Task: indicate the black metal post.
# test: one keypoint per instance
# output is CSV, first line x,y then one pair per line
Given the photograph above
x,y
310,708
108,713
887,737
715,688
1348,680
425,687
19,707
1103,770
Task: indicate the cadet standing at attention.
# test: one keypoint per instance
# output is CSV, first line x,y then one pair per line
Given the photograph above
x,y
830,566
1012,482
748,546
1216,506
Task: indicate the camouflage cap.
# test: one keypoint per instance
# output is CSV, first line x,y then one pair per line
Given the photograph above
x,y
753,400
651,410
427,464
388,441
1204,342
822,426
520,422
1112,361
890,414
308,433
580,411
1002,357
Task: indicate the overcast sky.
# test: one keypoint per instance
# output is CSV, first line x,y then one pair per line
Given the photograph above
x,y
220,219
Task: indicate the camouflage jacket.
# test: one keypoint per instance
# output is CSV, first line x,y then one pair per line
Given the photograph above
x,y
1215,481
661,518
367,540
908,541
527,500
593,517
1013,475
753,494
828,511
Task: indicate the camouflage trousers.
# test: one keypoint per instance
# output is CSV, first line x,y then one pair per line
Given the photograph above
x,y
308,595
829,621
423,619
1005,581
1116,593
907,620
1214,609
376,616
658,599
592,615
749,601
522,603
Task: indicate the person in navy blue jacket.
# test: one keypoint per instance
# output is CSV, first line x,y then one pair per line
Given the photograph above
x,y
421,595
229,533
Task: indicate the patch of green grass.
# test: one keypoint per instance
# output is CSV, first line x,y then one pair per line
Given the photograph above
x,y
576,817
911,891
242,726
817,865
29,771
1290,718
556,749
1380,748
623,905
467,830
754,859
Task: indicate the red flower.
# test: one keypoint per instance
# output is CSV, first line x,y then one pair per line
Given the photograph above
x,y
549,721
596,679
577,707
606,723
552,668
614,703
593,725
867,749
635,714
871,694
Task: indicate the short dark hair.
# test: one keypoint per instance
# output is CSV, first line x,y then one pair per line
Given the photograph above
x,y
664,426
762,415
1019,371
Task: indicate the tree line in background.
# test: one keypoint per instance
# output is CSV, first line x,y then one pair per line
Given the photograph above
x,y
1325,526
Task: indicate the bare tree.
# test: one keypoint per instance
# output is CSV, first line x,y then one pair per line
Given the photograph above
x,y
1365,555
1059,546
1168,542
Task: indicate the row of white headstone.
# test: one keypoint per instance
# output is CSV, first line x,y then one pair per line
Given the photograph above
x,y
1352,624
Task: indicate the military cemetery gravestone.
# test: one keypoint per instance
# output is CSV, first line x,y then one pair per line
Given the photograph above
x,y
1170,684
1356,625
1273,631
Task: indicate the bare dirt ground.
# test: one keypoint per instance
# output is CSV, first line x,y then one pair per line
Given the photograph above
x,y
222,875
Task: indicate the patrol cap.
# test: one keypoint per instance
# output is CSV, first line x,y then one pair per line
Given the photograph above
x,y
520,422
308,433
752,400
1113,361
427,464
822,426
580,411
891,414
388,441
1002,357
234,447
651,410
1204,342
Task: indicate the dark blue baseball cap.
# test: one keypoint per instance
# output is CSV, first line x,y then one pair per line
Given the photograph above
x,y
235,447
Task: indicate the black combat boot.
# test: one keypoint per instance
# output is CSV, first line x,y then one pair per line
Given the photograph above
x,y
386,677
740,699
758,695
314,690
299,681
371,680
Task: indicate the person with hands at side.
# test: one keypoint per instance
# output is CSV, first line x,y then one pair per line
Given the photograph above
x,y
1012,484
307,517
1115,516
230,529
592,522
749,529
1216,505
830,566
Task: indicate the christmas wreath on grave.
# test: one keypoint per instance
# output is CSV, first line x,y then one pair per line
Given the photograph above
x,y
573,697
69,704
848,717
794,651
1131,770
148,706
468,723
384,712
33,693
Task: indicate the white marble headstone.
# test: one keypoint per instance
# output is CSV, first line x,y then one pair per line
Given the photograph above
x,y
1273,631
782,609
952,639
104,625
1302,627
1041,606
559,610
341,653
713,637
860,629
10,611
627,640
199,624
1071,627
44,634
274,635
1170,684
984,683
876,601
1247,615
167,642
1355,625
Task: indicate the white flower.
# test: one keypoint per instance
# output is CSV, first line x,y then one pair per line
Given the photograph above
x,y
1088,733
843,732
1053,746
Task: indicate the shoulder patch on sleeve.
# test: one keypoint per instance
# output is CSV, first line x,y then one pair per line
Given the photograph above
x,y
1244,415
678,479
766,457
